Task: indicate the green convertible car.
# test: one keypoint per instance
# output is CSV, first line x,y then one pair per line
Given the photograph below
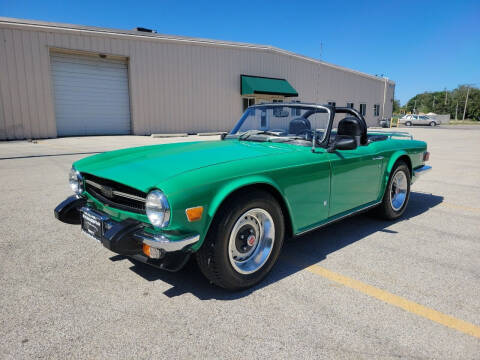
x,y
284,169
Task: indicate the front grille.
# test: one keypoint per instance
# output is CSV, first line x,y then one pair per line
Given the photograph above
x,y
114,194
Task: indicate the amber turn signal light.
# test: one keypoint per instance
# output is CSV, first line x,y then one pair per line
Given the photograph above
x,y
146,250
194,213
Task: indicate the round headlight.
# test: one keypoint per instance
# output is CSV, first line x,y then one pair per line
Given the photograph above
x,y
76,181
157,208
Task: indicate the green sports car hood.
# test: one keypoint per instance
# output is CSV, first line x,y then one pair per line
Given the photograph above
x,y
146,167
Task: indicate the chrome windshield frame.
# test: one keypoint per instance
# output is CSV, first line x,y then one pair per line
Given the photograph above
x,y
330,110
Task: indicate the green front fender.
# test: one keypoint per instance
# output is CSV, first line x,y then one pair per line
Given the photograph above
x,y
232,186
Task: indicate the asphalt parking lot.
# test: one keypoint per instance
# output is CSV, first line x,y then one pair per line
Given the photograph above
x,y
358,289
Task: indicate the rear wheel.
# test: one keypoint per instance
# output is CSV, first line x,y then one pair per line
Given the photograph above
x,y
397,193
408,123
432,123
244,242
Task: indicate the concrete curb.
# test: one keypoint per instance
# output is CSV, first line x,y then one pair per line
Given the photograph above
x,y
211,133
168,135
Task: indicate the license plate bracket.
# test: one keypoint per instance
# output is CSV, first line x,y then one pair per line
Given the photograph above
x,y
92,224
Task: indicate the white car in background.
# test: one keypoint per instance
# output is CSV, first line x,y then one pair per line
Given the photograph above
x,y
409,120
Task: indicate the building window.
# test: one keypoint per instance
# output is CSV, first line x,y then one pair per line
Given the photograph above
x,y
350,105
332,103
295,112
363,109
248,102
376,110
263,120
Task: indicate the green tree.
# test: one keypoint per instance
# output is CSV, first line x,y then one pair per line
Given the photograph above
x,y
396,106
447,102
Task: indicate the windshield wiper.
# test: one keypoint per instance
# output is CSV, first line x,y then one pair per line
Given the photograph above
x,y
249,133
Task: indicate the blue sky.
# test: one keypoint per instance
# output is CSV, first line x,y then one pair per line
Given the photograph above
x,y
421,45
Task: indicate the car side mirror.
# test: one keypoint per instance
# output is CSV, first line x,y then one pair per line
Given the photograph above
x,y
343,143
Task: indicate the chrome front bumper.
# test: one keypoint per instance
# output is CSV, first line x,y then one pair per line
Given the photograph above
x,y
126,232
164,243
127,237
132,230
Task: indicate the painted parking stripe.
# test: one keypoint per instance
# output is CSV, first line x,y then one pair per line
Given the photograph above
x,y
460,207
398,301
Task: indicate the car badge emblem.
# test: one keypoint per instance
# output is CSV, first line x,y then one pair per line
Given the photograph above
x,y
251,240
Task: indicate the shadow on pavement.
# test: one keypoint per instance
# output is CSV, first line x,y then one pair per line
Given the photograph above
x,y
309,249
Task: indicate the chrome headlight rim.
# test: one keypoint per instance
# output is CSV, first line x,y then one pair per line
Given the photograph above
x,y
75,180
157,208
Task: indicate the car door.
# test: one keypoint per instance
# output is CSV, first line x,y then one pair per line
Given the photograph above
x,y
355,178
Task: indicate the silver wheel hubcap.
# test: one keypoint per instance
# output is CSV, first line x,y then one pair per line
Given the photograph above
x,y
398,190
251,241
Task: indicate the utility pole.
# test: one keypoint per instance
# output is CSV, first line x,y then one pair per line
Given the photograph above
x,y
456,110
466,101
433,105
415,107
445,96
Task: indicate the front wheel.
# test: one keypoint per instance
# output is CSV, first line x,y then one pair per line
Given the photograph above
x,y
244,241
432,123
397,193
408,123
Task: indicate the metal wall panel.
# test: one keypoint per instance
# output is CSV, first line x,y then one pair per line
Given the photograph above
x,y
176,84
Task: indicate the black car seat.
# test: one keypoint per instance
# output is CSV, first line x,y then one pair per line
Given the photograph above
x,y
299,126
353,127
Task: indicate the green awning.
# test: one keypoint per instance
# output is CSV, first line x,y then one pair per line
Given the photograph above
x,y
251,85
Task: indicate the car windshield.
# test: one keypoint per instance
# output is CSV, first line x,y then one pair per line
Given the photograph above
x,y
282,123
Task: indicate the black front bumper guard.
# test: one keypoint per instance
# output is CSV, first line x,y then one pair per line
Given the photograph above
x,y
128,236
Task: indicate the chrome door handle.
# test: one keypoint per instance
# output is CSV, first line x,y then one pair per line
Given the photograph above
x,y
378,158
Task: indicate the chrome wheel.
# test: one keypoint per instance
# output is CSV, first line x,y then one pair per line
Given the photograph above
x,y
398,190
251,241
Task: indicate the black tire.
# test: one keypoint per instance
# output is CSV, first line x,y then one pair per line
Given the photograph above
x,y
386,210
408,123
432,123
213,257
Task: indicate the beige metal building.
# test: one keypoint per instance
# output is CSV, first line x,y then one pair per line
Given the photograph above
x,y
67,80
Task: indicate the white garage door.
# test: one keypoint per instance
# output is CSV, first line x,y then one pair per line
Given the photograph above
x,y
91,95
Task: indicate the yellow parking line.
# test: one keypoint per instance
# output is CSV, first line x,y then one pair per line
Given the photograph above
x,y
398,301
461,207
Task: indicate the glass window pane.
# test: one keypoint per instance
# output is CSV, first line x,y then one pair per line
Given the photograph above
x,y
245,104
